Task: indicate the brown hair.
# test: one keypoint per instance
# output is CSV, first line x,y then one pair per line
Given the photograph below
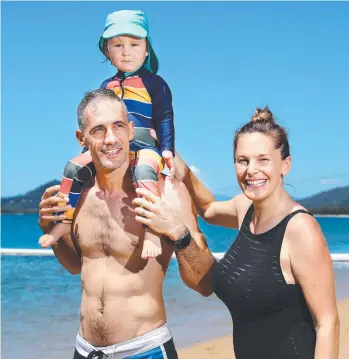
x,y
262,121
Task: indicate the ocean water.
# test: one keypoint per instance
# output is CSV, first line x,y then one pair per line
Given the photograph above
x,y
40,299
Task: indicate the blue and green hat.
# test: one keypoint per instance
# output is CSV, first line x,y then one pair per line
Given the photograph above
x,y
133,23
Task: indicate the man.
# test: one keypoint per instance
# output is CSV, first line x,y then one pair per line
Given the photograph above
x,y
122,313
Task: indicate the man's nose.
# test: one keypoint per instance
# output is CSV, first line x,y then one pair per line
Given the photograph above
x,y
110,137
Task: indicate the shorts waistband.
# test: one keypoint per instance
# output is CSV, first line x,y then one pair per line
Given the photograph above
x,y
138,345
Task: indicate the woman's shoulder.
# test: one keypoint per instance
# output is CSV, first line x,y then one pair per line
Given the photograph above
x,y
300,216
302,229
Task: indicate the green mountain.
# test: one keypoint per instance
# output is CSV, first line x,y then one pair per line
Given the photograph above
x,y
334,201
26,203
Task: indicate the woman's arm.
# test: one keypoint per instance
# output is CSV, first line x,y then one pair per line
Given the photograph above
x,y
312,266
223,213
64,249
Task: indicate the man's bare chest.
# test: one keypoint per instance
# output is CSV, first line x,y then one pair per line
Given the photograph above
x,y
107,227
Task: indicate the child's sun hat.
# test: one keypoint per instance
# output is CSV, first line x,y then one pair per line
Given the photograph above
x,y
133,23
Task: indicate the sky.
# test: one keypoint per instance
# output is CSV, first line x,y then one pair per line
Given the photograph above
x,y
221,61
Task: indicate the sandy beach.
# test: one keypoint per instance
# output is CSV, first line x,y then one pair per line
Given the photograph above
x,y
222,348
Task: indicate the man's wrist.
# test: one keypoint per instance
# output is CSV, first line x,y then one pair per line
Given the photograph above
x,y
177,232
182,241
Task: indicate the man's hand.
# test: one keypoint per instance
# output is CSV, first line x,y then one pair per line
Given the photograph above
x,y
49,206
158,215
168,158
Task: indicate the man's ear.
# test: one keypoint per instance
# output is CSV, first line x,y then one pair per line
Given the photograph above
x,y
131,130
80,137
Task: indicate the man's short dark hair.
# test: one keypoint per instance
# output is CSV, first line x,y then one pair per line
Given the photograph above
x,y
99,94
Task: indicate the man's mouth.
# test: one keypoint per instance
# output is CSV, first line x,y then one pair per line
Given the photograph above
x,y
112,152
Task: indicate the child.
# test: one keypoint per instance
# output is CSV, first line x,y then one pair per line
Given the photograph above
x,y
126,43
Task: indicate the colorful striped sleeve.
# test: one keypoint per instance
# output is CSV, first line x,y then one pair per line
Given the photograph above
x,y
162,113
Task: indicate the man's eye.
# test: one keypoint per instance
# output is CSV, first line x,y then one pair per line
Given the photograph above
x,y
264,160
97,130
117,45
243,162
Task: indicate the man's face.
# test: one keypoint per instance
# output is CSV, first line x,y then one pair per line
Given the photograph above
x,y
106,133
127,53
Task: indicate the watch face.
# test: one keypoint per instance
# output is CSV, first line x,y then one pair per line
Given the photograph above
x,y
183,241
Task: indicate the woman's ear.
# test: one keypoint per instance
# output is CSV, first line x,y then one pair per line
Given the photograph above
x,y
286,166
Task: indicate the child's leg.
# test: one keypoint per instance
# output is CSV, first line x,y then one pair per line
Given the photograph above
x,y
147,165
71,186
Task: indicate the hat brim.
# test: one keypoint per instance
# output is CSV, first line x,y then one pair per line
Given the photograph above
x,y
119,29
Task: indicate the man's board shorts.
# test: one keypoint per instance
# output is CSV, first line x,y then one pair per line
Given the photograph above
x,y
156,344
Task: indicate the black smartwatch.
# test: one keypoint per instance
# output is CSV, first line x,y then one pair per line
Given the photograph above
x,y
183,241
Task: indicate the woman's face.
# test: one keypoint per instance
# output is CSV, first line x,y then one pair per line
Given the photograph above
x,y
259,166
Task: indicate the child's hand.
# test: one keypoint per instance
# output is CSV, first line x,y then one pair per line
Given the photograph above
x,y
168,158
153,134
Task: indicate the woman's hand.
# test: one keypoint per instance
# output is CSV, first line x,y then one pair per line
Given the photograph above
x,y
180,169
168,158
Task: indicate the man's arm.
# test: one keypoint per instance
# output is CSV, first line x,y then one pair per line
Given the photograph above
x,y
66,255
195,265
64,249
172,215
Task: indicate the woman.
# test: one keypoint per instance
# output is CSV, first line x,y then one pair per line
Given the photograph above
x,y
277,277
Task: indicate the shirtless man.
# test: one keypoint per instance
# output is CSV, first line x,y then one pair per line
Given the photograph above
x,y
122,313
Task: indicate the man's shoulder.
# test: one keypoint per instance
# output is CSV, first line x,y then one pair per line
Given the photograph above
x,y
87,189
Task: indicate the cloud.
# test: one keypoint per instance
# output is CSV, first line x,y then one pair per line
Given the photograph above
x,y
195,169
331,181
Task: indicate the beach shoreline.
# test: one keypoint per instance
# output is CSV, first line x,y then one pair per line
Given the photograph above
x,y
222,347
331,215
315,215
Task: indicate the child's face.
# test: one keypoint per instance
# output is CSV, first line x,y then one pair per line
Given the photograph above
x,y
127,53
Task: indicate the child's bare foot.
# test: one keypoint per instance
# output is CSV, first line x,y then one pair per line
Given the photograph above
x,y
47,240
58,231
151,248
